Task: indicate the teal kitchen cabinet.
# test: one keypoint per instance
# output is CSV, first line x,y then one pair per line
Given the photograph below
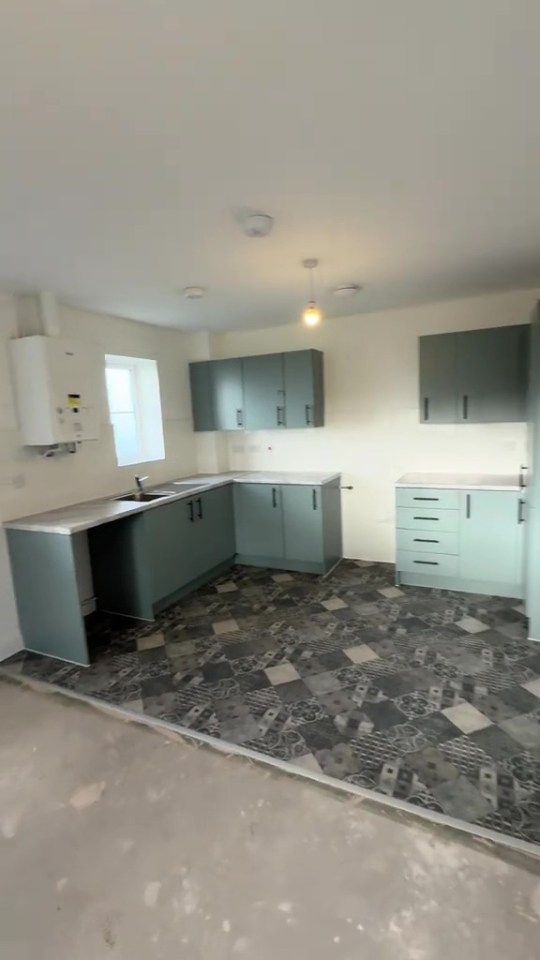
x,y
264,392
213,529
477,376
304,388
438,390
258,518
303,523
147,561
471,540
491,538
44,572
227,394
289,526
492,374
217,397
267,392
202,404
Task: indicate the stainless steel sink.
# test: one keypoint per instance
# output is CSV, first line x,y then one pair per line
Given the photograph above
x,y
144,497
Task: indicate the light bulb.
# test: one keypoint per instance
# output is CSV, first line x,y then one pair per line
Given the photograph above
x,y
312,316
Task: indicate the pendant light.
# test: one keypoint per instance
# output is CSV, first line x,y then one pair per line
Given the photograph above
x,y
312,315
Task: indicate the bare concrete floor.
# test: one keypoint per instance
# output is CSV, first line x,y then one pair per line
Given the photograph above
x,y
117,841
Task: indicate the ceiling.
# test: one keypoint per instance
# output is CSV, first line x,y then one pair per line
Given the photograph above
x,y
396,141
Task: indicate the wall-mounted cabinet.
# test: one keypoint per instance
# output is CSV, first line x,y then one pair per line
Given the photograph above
x,y
268,392
478,376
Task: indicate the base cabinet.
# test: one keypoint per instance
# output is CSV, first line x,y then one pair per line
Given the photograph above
x,y
470,540
142,563
289,526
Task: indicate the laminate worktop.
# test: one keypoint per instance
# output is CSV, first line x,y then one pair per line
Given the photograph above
x,y
460,481
83,516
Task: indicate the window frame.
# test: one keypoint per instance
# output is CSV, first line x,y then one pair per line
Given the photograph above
x,y
137,367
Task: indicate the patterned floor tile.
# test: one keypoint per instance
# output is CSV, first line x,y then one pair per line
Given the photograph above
x,y
430,696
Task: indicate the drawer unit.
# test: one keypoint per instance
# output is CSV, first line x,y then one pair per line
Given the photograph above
x,y
433,564
424,497
467,539
425,518
420,541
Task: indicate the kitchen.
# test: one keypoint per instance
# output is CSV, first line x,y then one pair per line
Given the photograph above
x,y
353,674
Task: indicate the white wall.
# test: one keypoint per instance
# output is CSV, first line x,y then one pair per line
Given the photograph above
x,y
372,433
29,484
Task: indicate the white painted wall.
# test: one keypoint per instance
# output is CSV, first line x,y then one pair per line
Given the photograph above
x,y
29,484
372,433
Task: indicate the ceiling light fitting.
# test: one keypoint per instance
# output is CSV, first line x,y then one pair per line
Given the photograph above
x,y
347,290
257,225
312,315
194,293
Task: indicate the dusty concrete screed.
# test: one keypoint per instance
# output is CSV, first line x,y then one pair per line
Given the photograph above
x,y
120,841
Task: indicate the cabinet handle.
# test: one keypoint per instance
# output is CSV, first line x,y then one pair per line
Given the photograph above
x,y
522,471
426,408
465,407
314,499
424,540
274,497
308,414
468,506
426,518
427,563
521,504
280,420
191,513
427,498
199,511
239,419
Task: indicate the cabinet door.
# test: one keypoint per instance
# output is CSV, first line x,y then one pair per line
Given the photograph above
x,y
227,393
214,527
302,523
171,554
264,397
304,391
492,374
491,536
258,519
438,397
201,395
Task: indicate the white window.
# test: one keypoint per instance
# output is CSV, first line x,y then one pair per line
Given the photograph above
x,y
135,409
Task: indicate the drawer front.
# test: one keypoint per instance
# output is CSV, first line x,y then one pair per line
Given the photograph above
x,y
430,564
428,541
425,518
425,497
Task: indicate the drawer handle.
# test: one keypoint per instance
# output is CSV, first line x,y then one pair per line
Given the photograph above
x,y
468,507
423,540
274,497
427,498
308,414
427,563
426,518
239,419
314,496
191,513
200,510
521,504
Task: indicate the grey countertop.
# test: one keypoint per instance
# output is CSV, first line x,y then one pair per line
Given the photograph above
x,y
460,481
93,513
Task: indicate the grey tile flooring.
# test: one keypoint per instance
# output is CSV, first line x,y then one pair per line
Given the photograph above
x,y
426,695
